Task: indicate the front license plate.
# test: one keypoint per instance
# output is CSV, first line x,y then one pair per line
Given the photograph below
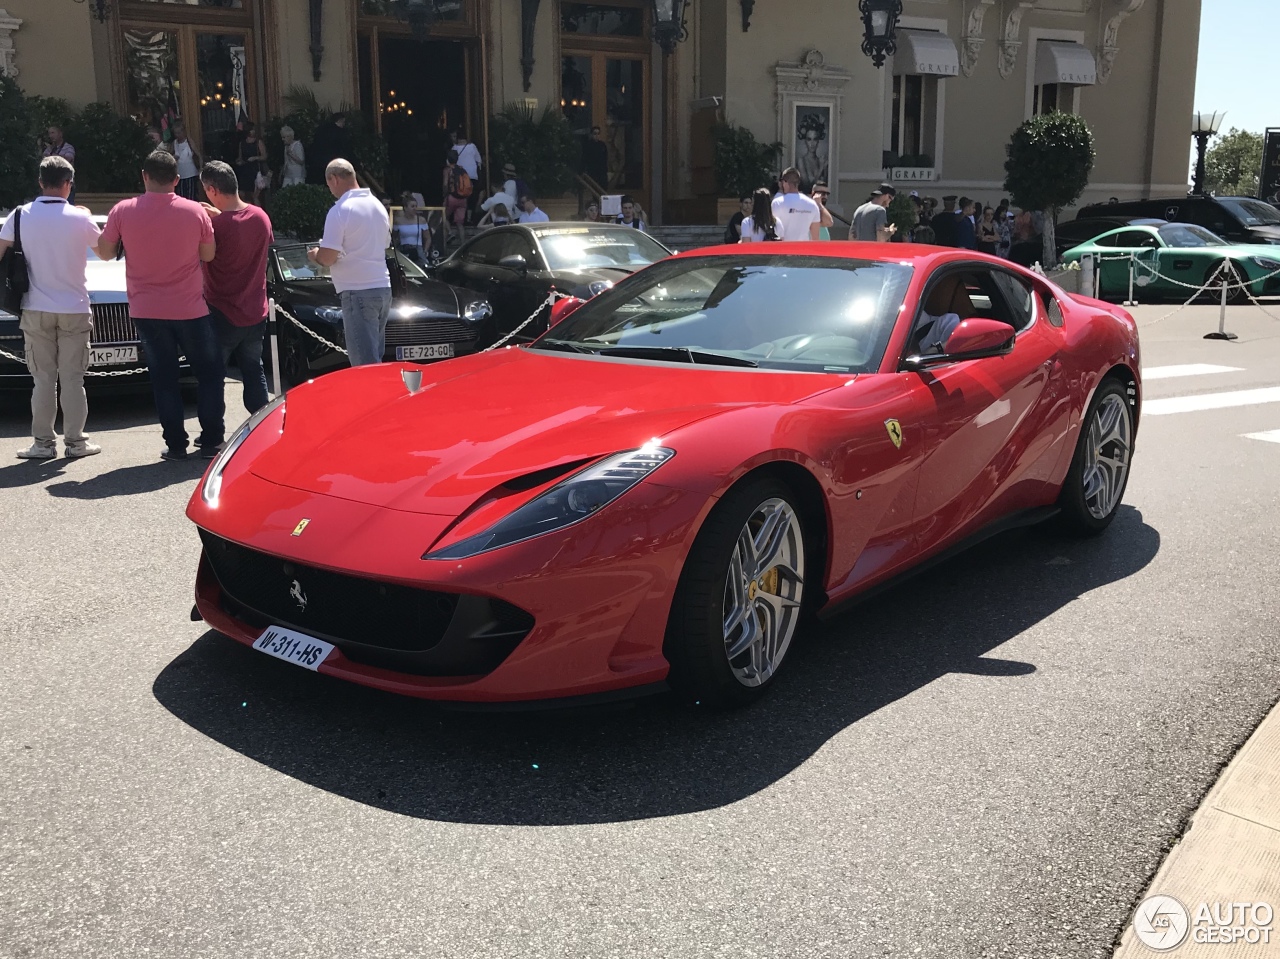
x,y
292,647
434,351
112,355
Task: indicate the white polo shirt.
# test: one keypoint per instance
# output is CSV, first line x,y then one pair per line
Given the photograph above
x,y
359,228
796,212
55,237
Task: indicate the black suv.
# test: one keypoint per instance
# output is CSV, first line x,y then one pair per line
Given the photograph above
x,y
1237,219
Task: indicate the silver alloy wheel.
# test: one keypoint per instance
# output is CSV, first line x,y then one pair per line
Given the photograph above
x,y
1106,455
762,592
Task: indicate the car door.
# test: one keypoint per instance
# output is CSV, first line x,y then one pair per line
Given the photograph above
x,y
987,445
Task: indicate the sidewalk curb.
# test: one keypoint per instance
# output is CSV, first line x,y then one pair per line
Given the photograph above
x,y
1229,853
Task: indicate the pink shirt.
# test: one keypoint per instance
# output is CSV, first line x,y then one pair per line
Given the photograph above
x,y
162,234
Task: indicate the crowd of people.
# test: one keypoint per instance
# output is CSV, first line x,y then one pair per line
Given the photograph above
x,y
196,284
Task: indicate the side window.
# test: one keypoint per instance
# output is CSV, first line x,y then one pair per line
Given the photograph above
x,y
1206,214
1019,300
515,243
1112,240
1136,239
485,250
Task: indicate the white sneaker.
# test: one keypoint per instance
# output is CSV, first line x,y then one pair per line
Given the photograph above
x,y
86,448
37,451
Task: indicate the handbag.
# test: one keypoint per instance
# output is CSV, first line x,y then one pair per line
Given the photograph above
x,y
17,280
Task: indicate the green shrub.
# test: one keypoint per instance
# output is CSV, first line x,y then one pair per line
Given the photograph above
x,y
1050,159
743,164
542,148
299,211
18,153
902,214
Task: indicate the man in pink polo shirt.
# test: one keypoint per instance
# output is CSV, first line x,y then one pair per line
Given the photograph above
x,y
167,238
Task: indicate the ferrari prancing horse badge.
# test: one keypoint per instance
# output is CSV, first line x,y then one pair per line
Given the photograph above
x,y
297,530
895,432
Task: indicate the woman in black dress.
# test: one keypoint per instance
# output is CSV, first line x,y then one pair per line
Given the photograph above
x,y
249,159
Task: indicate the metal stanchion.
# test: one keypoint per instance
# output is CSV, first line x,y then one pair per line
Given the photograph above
x,y
272,328
1132,301
1221,332
1088,283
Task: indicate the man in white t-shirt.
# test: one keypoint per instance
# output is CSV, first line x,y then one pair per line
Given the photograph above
x,y
56,315
357,232
799,215
469,159
529,211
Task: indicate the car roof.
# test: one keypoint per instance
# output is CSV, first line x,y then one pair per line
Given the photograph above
x,y
906,254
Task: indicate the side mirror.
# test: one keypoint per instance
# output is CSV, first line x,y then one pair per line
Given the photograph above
x,y
972,339
514,262
562,308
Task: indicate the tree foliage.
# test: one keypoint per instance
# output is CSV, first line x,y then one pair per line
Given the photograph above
x,y
542,147
1050,159
17,148
300,210
1232,165
743,163
307,114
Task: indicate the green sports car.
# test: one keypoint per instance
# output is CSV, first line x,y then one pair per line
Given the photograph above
x,y
1171,254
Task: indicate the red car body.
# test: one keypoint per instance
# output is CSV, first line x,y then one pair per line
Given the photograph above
x,y
384,475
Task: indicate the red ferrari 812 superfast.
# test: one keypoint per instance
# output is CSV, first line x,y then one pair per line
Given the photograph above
x,y
659,490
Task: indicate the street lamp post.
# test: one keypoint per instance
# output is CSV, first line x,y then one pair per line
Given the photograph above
x,y
668,23
1203,126
880,24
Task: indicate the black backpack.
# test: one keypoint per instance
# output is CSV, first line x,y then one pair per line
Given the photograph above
x,y
17,280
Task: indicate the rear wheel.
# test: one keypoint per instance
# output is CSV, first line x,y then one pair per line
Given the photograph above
x,y
740,597
1099,471
294,368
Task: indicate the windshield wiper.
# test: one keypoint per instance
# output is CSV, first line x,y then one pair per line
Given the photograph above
x,y
565,345
683,353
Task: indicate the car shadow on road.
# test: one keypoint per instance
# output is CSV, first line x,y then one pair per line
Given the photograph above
x,y
654,757
131,480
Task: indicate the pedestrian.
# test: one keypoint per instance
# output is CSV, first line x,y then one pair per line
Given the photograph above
x,y
330,142
733,229
761,226
295,159
168,238
56,145
235,280
944,222
357,232
506,197
798,214
56,316
988,234
966,234
529,212
469,159
188,163
1004,233
250,157
592,213
496,215
821,192
457,191
628,216
514,184
595,159
871,220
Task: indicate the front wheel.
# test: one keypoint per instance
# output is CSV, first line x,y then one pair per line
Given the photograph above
x,y
1228,270
1099,470
739,599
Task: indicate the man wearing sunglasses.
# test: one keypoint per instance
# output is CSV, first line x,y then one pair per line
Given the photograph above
x,y
820,194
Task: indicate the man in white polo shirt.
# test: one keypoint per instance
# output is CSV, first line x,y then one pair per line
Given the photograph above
x,y
357,232
56,316
799,215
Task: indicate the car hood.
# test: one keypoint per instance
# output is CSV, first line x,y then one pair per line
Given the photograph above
x,y
106,280
573,279
484,421
439,298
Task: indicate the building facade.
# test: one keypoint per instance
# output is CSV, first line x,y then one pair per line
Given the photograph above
x,y
936,117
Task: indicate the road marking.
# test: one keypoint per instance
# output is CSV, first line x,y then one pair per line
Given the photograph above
x,y
1186,369
1211,401
1270,436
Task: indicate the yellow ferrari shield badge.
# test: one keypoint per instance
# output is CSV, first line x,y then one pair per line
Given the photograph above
x,y
895,432
302,524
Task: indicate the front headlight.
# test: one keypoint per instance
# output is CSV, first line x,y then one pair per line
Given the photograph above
x,y
326,314
566,503
599,286
1267,263
477,311
213,482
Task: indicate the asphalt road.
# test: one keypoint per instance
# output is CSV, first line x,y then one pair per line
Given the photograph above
x,y
989,761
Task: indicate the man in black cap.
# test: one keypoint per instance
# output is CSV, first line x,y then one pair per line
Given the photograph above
x,y
944,222
871,220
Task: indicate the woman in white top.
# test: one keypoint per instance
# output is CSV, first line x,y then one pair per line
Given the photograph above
x,y
295,159
188,163
761,224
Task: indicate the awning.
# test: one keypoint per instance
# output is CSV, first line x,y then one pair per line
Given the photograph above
x,y
924,53
1058,61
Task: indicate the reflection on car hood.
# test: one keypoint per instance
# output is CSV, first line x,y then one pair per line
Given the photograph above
x,y
585,277
439,298
484,420
106,280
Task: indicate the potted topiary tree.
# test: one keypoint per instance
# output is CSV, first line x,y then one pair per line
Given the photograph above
x,y
743,164
1050,159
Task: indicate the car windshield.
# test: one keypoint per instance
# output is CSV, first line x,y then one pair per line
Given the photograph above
x,y
1251,212
294,265
807,313
1183,235
583,248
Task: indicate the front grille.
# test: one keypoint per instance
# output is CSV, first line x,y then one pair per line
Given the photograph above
x,y
112,324
411,630
425,331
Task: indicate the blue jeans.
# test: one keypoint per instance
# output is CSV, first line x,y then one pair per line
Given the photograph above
x,y
245,344
364,324
164,341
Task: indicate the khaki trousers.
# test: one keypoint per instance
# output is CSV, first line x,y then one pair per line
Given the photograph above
x,y
57,347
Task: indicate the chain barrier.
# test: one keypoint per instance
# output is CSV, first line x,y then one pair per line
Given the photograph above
x,y
1199,291
23,360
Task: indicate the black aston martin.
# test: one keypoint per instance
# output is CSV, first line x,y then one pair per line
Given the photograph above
x,y
515,267
429,320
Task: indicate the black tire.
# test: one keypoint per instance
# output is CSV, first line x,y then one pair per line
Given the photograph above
x,y
695,639
1236,294
1077,517
294,368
